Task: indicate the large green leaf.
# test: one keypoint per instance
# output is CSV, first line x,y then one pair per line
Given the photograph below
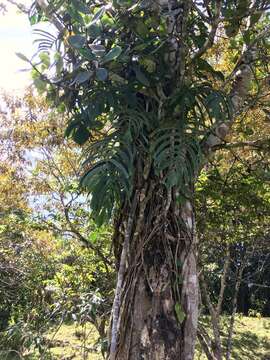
x,y
112,54
80,134
88,54
141,77
102,74
80,6
83,76
97,49
175,154
77,41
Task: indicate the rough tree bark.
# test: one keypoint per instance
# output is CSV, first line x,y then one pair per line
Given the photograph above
x,y
157,281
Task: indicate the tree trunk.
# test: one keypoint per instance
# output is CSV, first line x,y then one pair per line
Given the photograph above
x,y
155,311
156,303
216,344
239,275
215,312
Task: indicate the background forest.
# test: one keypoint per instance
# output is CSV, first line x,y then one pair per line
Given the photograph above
x,y
57,272
58,259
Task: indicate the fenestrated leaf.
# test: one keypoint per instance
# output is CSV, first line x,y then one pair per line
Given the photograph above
x,y
88,179
215,105
112,54
110,171
176,154
205,66
120,167
44,34
77,41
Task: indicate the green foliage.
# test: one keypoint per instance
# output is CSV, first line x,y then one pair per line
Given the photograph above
x,y
82,287
52,267
24,270
228,203
175,155
111,68
114,61
251,338
111,160
39,289
179,312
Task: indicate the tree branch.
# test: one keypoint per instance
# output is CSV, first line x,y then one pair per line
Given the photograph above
x,y
83,239
263,144
223,281
20,6
210,40
200,12
206,345
243,74
45,7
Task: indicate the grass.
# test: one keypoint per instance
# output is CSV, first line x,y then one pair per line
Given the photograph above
x,y
70,342
251,339
65,342
75,342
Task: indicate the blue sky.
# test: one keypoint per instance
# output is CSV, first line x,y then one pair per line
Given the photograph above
x,y
15,36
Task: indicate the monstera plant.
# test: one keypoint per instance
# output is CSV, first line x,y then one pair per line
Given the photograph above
x,y
152,89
